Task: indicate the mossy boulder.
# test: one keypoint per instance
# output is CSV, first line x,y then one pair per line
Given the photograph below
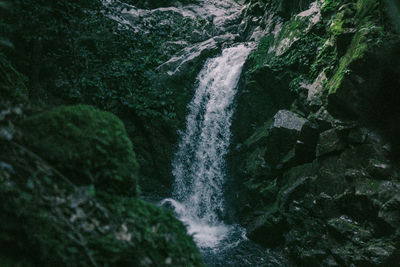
x,y
48,219
68,226
88,145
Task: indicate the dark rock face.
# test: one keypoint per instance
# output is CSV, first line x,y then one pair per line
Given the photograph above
x,y
330,141
321,181
283,134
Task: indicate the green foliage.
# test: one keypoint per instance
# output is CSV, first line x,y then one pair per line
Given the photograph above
x,y
86,144
330,5
73,52
367,29
337,24
262,53
326,60
300,56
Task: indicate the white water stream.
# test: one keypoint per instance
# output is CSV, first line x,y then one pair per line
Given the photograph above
x,y
199,165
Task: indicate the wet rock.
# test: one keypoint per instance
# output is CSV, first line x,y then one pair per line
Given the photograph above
x,y
306,145
358,135
348,228
378,169
390,212
284,132
338,210
331,141
288,7
381,254
288,120
296,190
315,90
323,119
267,229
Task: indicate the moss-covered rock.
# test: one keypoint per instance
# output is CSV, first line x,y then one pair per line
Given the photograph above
x,y
336,62
67,226
86,144
48,217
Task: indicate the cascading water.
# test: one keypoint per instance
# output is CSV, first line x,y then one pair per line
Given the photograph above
x,y
199,164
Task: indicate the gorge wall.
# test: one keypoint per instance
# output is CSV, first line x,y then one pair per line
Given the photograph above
x,y
91,90
315,157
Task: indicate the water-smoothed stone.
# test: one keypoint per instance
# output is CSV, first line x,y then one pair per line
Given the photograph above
x,y
194,55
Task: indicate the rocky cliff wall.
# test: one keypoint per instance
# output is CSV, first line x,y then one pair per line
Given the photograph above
x,y
316,147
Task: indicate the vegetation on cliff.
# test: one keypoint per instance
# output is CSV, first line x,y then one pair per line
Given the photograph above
x,y
69,174
321,190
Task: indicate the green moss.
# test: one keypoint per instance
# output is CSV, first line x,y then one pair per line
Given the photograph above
x,y
326,60
365,8
357,49
330,5
294,28
260,133
359,45
157,233
86,144
337,25
45,220
290,32
261,54
142,235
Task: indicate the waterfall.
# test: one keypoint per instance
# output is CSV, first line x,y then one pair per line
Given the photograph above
x,y
199,165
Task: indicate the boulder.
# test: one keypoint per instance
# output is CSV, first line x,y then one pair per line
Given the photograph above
x,y
268,228
331,141
54,215
307,142
378,169
88,145
283,134
346,227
